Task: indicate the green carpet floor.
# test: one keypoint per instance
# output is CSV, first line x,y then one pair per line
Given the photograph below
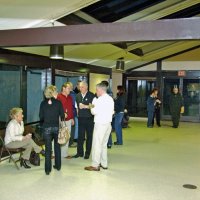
x,y
153,164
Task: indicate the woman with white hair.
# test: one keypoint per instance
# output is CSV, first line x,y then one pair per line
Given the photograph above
x,y
50,111
14,137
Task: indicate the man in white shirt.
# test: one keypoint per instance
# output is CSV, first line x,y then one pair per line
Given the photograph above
x,y
102,108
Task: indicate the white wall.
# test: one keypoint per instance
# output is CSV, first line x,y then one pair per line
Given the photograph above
x,y
150,67
180,65
95,79
172,66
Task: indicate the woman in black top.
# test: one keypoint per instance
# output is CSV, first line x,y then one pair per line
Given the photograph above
x,y
120,102
50,111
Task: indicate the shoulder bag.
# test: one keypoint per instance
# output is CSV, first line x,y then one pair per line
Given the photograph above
x,y
63,135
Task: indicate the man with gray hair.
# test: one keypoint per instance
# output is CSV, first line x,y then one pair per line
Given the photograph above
x,y
85,121
103,109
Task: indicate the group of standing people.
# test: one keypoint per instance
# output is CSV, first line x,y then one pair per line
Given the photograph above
x,y
88,117
176,107
94,114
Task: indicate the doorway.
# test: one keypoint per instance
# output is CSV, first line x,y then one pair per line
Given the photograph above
x,y
190,89
137,94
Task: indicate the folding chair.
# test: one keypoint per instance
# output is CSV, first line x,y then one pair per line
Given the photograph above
x,y
10,152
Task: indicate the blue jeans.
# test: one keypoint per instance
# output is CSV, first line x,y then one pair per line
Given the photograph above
x,y
50,134
76,128
118,127
150,118
113,128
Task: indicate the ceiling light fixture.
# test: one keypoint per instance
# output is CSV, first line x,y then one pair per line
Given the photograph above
x,y
57,52
120,64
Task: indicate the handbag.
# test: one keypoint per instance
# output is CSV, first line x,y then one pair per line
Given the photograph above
x,y
63,135
182,109
34,158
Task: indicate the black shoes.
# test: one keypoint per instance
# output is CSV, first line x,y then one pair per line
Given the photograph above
x,y
86,157
105,168
24,164
77,156
80,155
58,168
109,146
116,143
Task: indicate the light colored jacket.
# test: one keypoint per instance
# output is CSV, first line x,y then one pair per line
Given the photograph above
x,y
14,131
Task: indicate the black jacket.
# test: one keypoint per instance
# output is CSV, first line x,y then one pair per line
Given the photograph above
x,y
50,113
120,102
175,103
86,100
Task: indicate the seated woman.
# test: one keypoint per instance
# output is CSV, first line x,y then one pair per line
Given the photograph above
x,y
14,137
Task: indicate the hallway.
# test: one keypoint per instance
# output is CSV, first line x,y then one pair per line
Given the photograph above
x,y
153,164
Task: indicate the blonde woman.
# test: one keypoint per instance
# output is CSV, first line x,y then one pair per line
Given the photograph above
x,y
50,111
14,137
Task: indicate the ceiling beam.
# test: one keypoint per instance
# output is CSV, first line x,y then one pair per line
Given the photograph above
x,y
160,30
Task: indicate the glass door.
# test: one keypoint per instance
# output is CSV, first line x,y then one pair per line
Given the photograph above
x,y
190,89
191,95
137,94
169,84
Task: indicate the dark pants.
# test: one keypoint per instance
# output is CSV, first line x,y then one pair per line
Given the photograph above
x,y
49,135
175,119
71,140
86,126
150,118
113,128
157,116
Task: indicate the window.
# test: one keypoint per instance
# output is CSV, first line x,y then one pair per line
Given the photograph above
x,y
10,80
66,76
22,88
37,79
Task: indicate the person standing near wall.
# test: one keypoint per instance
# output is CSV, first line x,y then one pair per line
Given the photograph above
x,y
74,131
120,102
76,91
157,112
176,106
77,88
151,102
67,103
85,121
103,109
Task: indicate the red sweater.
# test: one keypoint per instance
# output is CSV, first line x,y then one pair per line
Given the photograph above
x,y
67,103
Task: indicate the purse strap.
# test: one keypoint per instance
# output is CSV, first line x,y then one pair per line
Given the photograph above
x,y
62,124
